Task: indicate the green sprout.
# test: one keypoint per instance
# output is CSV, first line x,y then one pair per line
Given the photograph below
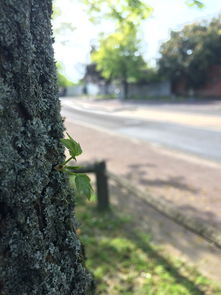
x,y
82,181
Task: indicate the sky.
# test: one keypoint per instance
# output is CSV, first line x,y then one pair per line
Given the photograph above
x,y
72,48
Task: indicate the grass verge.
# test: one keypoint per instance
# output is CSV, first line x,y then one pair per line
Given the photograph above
x,y
124,261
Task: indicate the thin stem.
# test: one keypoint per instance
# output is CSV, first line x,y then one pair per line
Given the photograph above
x,y
67,161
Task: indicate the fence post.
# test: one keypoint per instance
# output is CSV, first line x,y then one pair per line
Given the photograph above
x,y
102,186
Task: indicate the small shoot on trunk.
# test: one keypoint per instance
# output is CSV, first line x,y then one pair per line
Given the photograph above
x,y
82,181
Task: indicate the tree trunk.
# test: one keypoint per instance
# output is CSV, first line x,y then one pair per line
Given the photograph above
x,y
39,252
125,89
107,86
124,80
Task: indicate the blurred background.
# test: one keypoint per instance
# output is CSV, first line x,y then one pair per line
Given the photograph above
x,y
140,88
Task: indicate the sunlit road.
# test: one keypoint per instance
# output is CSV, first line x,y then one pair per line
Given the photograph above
x,y
201,142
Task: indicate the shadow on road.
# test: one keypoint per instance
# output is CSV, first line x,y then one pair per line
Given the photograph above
x,y
139,174
140,171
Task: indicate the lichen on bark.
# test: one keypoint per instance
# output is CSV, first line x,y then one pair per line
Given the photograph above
x,y
40,252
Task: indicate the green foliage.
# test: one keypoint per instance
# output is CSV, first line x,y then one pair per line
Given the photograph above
x,y
61,79
196,3
118,56
83,186
121,11
73,146
56,11
124,261
82,181
61,29
190,52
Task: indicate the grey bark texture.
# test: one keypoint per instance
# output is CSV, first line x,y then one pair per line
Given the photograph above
x,y
39,251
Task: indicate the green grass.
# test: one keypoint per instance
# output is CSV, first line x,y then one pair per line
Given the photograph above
x,y
124,261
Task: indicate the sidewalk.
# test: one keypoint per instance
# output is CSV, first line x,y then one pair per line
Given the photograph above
x,y
196,117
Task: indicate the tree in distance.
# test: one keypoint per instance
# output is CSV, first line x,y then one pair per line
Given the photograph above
x,y
190,53
118,58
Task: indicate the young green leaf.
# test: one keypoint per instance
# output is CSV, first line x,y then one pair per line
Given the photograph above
x,y
73,146
83,185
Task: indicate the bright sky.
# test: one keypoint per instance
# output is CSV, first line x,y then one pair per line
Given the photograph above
x,y
167,15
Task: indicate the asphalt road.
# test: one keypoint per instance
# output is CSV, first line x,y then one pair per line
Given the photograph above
x,y
201,142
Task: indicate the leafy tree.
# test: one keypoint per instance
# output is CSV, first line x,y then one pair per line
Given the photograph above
x,y
191,52
118,55
61,29
62,80
40,252
196,3
121,11
119,58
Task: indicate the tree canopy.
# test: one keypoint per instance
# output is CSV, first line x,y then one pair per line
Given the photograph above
x,y
121,11
119,57
191,52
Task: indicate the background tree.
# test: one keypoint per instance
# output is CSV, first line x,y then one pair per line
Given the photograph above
x,y
119,11
118,58
62,80
118,55
191,52
39,251
199,4
124,11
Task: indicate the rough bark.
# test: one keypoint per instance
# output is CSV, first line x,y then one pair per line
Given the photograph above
x,y
39,251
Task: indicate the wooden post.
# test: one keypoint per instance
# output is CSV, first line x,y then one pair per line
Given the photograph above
x,y
102,186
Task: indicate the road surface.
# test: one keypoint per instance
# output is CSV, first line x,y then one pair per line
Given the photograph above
x,y
199,141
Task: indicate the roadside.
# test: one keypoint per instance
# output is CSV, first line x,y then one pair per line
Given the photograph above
x,y
191,185
172,238
192,188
